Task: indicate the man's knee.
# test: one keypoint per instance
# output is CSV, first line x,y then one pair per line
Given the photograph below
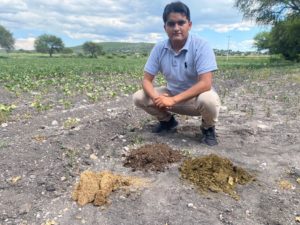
x,y
209,101
139,98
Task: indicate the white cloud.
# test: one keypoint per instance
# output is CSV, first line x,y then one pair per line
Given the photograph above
x,y
245,45
108,20
242,26
26,44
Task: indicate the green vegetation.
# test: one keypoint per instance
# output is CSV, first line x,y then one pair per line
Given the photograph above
x,y
284,38
39,76
121,47
284,16
6,39
48,44
5,111
93,49
268,11
59,81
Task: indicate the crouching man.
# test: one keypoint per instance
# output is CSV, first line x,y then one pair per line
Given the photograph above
x,y
187,63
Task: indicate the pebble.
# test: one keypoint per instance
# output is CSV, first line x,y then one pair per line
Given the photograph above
x,y
122,197
41,181
54,123
50,188
4,125
248,213
87,147
191,205
262,127
93,157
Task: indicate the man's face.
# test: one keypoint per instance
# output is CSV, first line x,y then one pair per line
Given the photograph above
x,y
177,27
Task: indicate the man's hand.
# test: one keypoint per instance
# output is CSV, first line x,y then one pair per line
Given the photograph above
x,y
164,101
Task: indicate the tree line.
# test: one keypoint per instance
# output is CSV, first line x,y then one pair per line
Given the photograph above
x,y
283,38
284,18
50,44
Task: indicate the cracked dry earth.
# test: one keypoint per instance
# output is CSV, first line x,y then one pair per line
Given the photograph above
x,y
42,156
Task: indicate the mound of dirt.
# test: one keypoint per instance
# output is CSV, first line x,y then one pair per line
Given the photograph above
x,y
214,173
96,187
153,157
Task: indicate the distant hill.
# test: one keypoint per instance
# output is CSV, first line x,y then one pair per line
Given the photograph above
x,y
121,47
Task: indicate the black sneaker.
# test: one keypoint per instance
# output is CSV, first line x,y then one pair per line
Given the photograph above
x,y
165,125
209,136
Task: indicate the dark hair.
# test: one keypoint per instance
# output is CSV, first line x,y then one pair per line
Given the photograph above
x,y
176,7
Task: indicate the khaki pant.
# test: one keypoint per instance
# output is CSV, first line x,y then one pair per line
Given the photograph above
x,y
206,104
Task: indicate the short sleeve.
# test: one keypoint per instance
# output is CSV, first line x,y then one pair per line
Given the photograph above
x,y
205,59
152,65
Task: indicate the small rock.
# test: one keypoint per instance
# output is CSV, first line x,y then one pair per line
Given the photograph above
x,y
63,178
263,165
191,205
93,157
41,181
248,213
122,197
262,127
50,188
87,147
54,123
294,172
4,125
87,161
221,217
132,129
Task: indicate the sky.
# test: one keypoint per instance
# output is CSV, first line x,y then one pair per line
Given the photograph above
x,y
77,21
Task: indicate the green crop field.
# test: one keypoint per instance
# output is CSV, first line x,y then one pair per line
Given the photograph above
x,y
61,79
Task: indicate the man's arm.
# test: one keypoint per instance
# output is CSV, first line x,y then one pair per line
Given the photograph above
x,y
204,84
148,86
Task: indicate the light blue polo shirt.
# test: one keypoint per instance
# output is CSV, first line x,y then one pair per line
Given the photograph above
x,y
181,69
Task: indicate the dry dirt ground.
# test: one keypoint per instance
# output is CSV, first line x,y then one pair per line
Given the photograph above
x,y
42,155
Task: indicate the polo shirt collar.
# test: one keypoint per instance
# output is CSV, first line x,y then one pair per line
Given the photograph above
x,y
185,47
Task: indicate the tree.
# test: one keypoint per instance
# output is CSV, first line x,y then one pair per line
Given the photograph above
x,y
48,44
268,11
285,38
92,48
6,39
67,51
262,41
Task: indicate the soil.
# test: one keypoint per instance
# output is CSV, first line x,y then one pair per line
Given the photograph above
x,y
214,173
258,130
96,187
153,157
